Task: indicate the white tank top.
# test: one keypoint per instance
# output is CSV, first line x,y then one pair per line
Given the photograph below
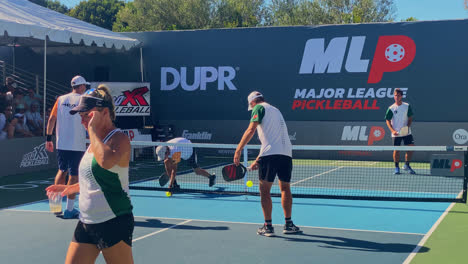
x,y
70,133
104,194
186,151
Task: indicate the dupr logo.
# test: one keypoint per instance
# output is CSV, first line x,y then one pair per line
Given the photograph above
x,y
392,53
359,133
202,77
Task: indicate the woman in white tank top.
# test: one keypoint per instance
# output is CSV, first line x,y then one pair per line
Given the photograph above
x,y
106,220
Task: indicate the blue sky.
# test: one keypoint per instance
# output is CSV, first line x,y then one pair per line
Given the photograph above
x,y
420,9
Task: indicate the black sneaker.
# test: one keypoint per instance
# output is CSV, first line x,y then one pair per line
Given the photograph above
x,y
212,180
291,229
174,188
267,231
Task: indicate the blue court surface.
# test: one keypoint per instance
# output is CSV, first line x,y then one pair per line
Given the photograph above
x,y
207,228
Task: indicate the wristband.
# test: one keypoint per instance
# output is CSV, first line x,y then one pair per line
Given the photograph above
x,y
49,138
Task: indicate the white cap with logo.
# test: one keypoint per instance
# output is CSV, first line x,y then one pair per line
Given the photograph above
x,y
161,152
78,80
253,95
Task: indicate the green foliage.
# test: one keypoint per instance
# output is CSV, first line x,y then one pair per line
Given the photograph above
x,y
98,12
52,4
410,19
150,15
237,13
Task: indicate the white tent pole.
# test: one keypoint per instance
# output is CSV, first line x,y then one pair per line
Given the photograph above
x,y
45,87
141,63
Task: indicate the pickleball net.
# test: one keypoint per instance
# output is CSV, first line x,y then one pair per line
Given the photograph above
x,y
332,172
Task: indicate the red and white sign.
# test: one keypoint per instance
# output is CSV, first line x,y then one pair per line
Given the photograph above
x,y
130,98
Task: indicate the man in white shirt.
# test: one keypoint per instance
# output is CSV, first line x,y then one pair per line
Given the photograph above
x,y
399,118
70,139
275,158
168,154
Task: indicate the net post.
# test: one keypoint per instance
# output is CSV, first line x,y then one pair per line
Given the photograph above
x,y
246,164
465,178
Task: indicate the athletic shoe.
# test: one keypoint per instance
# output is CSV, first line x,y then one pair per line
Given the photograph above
x,y
58,213
174,188
71,214
409,169
212,180
267,231
291,229
397,170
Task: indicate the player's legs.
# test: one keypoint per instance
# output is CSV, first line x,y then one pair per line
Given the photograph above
x,y
396,154
286,198
265,197
72,180
81,253
202,172
408,141
193,162
118,253
61,176
72,159
284,169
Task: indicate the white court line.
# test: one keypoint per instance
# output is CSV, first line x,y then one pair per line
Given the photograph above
x,y
311,177
162,230
246,223
313,227
426,237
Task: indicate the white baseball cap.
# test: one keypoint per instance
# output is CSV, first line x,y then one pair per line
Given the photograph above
x,y
78,80
161,152
253,95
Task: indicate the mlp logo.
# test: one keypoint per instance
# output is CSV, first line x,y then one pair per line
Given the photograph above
x,y
132,102
359,133
447,164
392,53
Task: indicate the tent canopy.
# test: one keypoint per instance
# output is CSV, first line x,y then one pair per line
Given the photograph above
x,y
28,24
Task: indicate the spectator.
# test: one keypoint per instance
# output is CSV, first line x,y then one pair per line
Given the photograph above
x,y
9,88
6,112
34,119
31,97
18,99
21,129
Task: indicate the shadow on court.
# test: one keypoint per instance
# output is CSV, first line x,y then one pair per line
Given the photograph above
x,y
155,223
345,243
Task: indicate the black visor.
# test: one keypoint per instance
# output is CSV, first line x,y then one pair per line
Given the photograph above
x,y
87,103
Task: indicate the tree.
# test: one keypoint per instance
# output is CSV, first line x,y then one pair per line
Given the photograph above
x,y
150,15
358,11
237,13
53,5
410,19
98,12
295,12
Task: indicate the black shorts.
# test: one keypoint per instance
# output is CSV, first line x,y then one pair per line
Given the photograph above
x,y
69,161
193,160
272,165
106,234
407,140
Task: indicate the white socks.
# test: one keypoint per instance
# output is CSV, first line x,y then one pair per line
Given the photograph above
x,y
70,204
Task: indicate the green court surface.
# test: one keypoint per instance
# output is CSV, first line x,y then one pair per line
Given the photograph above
x,y
449,240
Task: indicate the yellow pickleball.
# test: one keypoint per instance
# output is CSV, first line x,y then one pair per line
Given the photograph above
x,y
168,194
249,183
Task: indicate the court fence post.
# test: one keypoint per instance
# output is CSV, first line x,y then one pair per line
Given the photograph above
x,y
465,178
